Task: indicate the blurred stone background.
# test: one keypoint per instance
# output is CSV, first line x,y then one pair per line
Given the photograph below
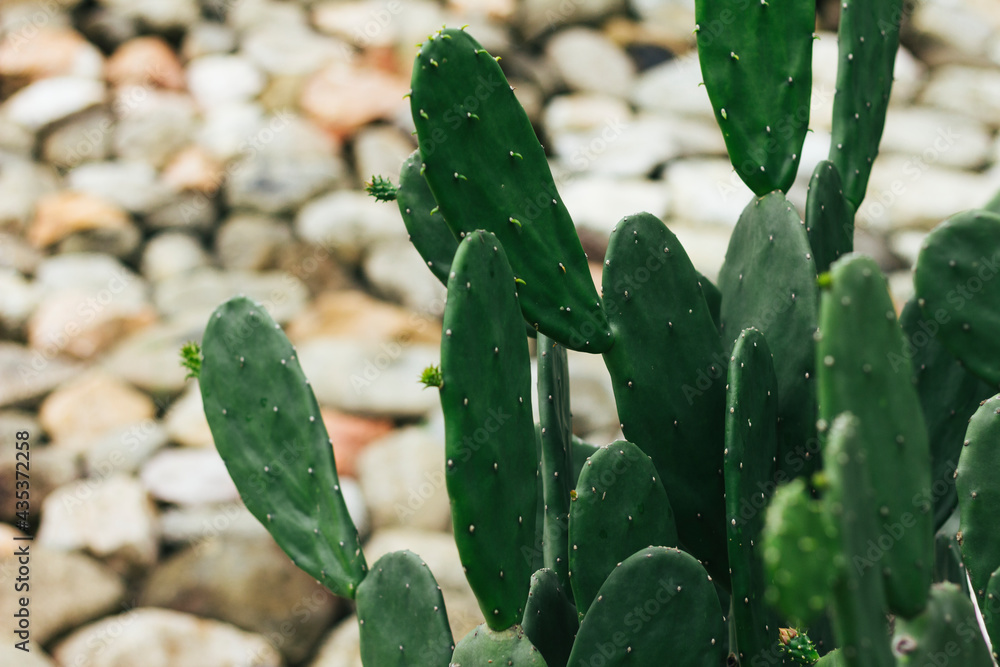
x,y
159,156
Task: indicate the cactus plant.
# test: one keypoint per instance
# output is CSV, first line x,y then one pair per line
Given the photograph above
x,y
633,553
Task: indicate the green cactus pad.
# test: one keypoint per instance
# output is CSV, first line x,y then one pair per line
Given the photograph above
x,y
859,595
483,646
401,614
713,297
668,374
829,218
267,427
801,553
550,619
831,659
428,231
948,564
868,40
556,464
487,171
619,508
949,395
580,451
956,284
991,612
671,618
751,447
946,631
768,282
857,374
489,430
756,60
978,485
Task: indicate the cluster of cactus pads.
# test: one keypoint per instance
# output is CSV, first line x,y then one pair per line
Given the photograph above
x,y
797,456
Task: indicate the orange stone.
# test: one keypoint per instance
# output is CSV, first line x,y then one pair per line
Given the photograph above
x,y
350,435
353,314
145,61
48,52
61,214
342,98
193,169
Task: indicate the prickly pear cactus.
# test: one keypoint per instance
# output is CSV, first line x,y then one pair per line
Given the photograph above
x,y
267,427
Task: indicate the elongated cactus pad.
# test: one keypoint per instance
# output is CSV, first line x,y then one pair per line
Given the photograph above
x,y
868,40
860,333
668,373
768,282
978,484
956,285
401,614
672,618
267,427
550,619
859,595
424,222
801,553
484,646
556,464
751,447
489,432
620,507
756,59
947,630
949,395
948,563
829,217
991,612
487,171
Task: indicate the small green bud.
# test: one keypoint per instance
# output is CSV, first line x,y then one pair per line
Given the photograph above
x,y
191,359
431,376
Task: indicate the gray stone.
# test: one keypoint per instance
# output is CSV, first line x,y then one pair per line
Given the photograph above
x,y
535,17
124,449
18,300
110,518
342,647
673,87
705,246
149,358
598,203
48,100
153,125
69,590
251,14
131,185
51,467
370,378
918,194
156,14
707,191
82,138
196,523
950,139
189,211
17,254
22,183
188,476
17,140
171,254
220,79
175,639
354,498
224,130
251,242
907,245
207,37
380,151
287,162
249,583
26,375
586,60
398,272
972,91
402,478
36,658
349,222
292,51
185,421
956,32
202,291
